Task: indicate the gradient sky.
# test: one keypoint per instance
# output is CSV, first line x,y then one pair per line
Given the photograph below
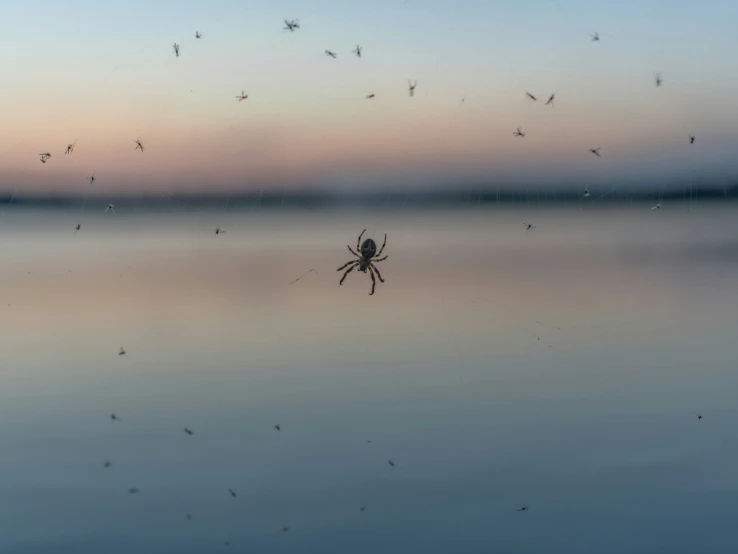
x,y
104,73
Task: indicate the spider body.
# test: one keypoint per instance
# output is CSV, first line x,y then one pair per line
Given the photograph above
x,y
366,259
368,250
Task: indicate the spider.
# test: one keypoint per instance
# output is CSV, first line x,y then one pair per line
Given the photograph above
x,y
368,250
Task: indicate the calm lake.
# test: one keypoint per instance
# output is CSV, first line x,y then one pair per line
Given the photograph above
x,y
559,369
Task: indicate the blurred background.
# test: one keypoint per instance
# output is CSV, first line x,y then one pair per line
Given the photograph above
x,y
583,368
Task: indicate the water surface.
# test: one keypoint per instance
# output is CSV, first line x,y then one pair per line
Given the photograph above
x,y
558,369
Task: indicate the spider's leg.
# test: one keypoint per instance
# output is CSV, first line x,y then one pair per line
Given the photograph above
x,y
346,265
358,242
349,270
374,281
380,260
352,251
383,245
377,270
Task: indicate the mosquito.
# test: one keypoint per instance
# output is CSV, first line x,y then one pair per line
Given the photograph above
x,y
291,24
92,177
122,351
357,51
411,87
219,231
111,209
331,54
530,96
528,227
699,416
189,431
519,133
232,492
657,79
197,34
139,145
657,207
370,96
278,427
551,100
45,157
107,463
586,191
243,96
70,148
596,151
114,417
692,139
176,49
595,37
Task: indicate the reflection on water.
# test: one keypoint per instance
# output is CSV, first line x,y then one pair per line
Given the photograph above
x,y
558,369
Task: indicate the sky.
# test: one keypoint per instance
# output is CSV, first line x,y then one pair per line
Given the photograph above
x,y
104,74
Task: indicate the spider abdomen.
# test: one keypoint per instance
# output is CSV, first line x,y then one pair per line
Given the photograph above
x,y
368,249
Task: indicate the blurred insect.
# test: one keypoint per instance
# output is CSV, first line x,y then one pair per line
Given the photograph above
x,y
92,178
531,97
291,24
391,463
362,509
233,493
551,100
586,191
278,427
370,96
70,148
331,54
528,227
139,145
133,490
111,208
411,87
114,417
523,508
175,46
188,431
107,463
692,139
219,231
595,37
657,79
45,157
122,352
518,133
357,51
197,34
365,261
698,415
656,207
284,529
596,151
188,516
243,96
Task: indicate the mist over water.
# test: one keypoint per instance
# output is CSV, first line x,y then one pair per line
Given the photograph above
x,y
558,369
